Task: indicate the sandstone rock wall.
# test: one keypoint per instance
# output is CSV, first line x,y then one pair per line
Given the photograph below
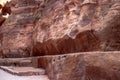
x,y
50,27
82,66
16,32
77,26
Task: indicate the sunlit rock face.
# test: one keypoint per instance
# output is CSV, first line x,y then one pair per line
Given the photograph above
x,y
4,10
3,2
16,32
70,26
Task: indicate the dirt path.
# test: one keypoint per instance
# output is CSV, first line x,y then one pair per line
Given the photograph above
x,y
6,76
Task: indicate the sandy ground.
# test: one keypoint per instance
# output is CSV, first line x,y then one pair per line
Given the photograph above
x,y
6,76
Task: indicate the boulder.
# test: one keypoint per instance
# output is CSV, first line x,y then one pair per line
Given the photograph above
x,y
82,66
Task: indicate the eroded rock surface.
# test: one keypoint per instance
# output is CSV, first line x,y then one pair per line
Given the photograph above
x,y
16,32
45,27
82,66
77,26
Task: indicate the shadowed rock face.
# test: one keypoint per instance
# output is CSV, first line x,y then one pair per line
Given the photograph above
x,y
1,19
77,26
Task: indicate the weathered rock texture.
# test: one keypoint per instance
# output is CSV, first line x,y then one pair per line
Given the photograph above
x,y
16,32
82,66
64,26
77,26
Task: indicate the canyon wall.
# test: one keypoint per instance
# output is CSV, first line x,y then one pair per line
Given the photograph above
x,y
50,27
16,32
69,26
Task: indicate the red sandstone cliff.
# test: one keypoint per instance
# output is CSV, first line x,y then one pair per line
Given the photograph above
x,y
16,32
78,26
45,27
51,27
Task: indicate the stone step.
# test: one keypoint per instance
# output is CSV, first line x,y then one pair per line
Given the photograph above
x,y
23,71
15,62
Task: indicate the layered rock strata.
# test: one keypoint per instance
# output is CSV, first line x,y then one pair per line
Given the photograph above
x,y
16,32
43,27
77,26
